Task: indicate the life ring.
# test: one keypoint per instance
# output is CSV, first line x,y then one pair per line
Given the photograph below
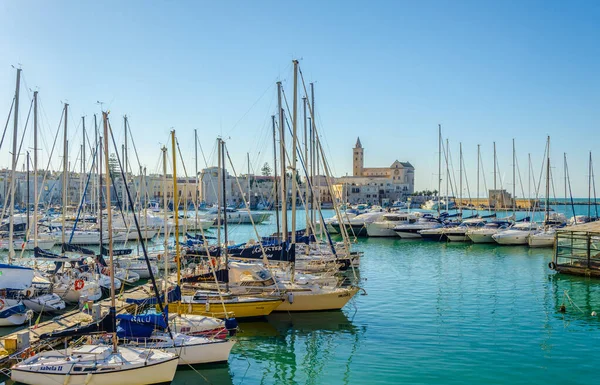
x,y
2,303
213,262
79,284
28,293
552,266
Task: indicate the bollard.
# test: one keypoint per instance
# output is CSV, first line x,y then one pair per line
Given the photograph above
x,y
96,312
22,340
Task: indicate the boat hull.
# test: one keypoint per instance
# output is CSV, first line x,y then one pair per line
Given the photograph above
x,y
159,373
328,300
239,310
481,238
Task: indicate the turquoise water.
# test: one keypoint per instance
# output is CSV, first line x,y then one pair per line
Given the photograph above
x,y
434,313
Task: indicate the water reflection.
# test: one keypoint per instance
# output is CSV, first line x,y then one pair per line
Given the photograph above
x,y
296,348
580,296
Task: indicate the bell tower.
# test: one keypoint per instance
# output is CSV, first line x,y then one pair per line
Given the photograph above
x,y
357,160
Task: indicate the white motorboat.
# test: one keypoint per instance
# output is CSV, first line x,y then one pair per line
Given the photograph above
x,y
459,233
484,234
517,234
20,244
357,226
385,226
543,238
412,230
97,365
44,303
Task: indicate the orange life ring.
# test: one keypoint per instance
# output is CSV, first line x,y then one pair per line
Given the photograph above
x,y
79,284
213,262
2,303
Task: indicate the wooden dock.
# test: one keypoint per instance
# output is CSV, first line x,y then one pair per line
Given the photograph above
x,y
73,318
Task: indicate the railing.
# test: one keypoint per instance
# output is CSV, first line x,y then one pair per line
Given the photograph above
x,y
577,249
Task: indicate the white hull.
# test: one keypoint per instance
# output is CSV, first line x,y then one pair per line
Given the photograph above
x,y
513,237
48,303
457,237
481,237
318,300
407,234
381,229
541,240
15,319
55,368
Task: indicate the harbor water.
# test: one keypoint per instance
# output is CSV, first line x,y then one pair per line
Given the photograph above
x,y
434,313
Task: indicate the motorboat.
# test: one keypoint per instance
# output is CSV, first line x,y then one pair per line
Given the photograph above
x,y
357,226
484,234
517,234
412,230
385,226
459,233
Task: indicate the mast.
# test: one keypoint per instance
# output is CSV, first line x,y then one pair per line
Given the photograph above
x,y
447,176
275,184
529,181
548,182
28,224
110,235
315,163
99,150
83,158
166,205
219,195
196,176
312,171
65,174
126,165
495,167
590,186
223,175
514,179
248,180
11,220
294,152
284,227
35,171
460,172
306,166
176,209
97,146
478,158
439,167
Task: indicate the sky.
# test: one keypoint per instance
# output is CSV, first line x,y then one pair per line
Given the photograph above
x,y
387,71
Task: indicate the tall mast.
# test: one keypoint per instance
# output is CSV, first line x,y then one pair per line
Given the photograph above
x,y
312,171
447,175
99,150
529,181
126,164
306,168
98,189
275,184
28,224
548,181
284,228
225,240
514,178
248,180
83,157
317,199
110,234
219,194
165,220
590,186
439,167
35,171
65,174
11,220
294,151
495,167
196,179
460,172
478,158
176,208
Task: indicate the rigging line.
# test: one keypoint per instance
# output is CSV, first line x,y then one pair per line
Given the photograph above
x,y
139,231
569,183
250,109
482,172
16,161
594,186
7,121
464,168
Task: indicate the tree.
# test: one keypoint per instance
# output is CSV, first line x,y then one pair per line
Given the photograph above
x,y
266,169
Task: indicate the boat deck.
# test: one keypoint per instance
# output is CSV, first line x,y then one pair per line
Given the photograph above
x,y
70,319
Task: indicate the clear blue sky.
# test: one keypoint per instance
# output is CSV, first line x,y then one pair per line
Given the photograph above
x,y
387,71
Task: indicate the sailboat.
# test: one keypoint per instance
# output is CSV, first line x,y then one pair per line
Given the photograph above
x,y
99,364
